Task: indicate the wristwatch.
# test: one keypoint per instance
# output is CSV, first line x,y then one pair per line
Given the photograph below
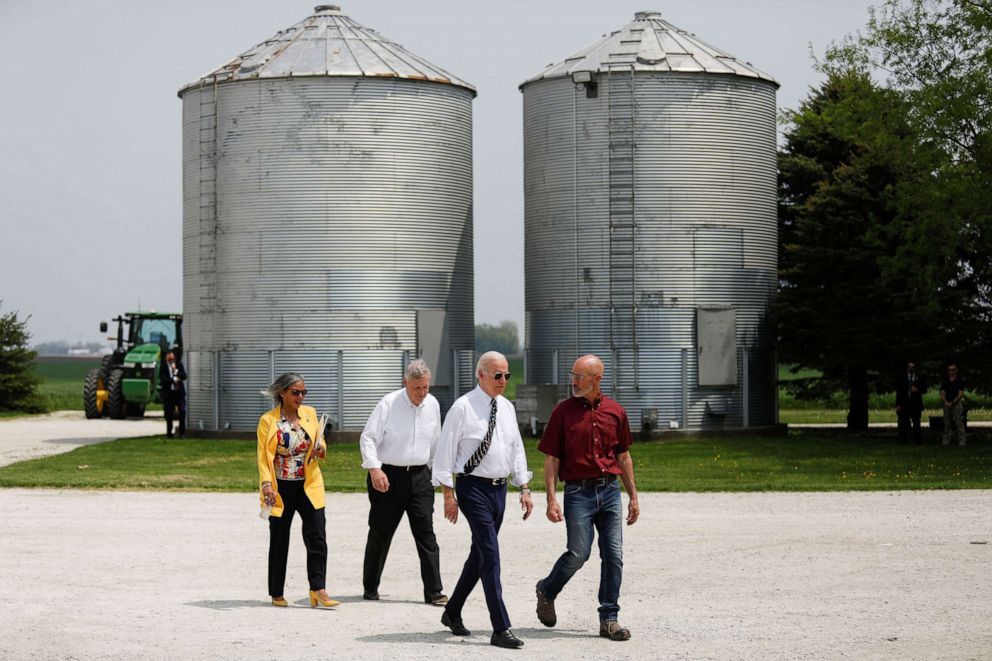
x,y
524,490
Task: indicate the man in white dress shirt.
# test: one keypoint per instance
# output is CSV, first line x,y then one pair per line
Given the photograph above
x,y
480,447
397,447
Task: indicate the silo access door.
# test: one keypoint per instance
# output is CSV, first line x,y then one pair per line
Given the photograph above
x,y
716,346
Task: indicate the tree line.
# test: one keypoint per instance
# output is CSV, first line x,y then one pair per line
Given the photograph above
x,y
885,205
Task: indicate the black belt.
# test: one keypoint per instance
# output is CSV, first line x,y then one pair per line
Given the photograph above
x,y
595,482
495,481
404,468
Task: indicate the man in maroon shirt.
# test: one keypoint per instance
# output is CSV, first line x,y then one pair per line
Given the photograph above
x,y
587,443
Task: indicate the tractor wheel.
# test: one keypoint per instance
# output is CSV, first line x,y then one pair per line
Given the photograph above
x,y
116,404
105,365
135,410
94,394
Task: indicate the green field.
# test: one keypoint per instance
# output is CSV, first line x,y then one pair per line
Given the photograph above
x,y
62,381
804,460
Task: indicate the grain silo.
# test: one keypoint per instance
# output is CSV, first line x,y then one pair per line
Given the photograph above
x,y
327,223
650,226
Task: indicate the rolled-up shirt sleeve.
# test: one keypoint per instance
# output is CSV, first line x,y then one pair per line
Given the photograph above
x,y
442,473
371,436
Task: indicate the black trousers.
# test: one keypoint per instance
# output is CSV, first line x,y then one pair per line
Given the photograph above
x,y
410,491
173,402
905,421
294,499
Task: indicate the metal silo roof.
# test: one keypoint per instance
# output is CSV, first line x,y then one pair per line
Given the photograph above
x,y
651,44
328,43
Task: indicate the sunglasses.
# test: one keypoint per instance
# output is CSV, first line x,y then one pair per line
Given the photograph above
x,y
297,392
499,376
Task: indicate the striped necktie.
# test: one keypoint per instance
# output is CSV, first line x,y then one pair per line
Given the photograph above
x,y
480,452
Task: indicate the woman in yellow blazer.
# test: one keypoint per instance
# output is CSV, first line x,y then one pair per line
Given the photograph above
x,y
289,481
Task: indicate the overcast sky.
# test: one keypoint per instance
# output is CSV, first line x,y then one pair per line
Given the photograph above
x,y
90,151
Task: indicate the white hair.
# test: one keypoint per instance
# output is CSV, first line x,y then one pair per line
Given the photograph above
x,y
417,369
486,358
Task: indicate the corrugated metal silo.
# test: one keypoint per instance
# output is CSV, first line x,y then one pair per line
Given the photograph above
x,y
327,223
650,226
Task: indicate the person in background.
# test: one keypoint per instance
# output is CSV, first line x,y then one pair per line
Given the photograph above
x,y
587,444
479,449
952,395
909,403
172,382
397,447
290,481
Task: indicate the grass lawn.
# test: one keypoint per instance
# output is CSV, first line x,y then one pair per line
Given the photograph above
x,y
812,416
804,460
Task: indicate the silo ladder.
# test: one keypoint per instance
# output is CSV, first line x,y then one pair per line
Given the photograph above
x,y
623,227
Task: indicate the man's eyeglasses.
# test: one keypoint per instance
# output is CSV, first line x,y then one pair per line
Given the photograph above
x,y
297,392
578,377
499,376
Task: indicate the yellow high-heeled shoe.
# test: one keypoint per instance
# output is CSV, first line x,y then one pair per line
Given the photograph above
x,y
316,599
280,601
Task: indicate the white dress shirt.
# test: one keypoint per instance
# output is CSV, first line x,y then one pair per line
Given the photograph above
x,y
465,427
399,433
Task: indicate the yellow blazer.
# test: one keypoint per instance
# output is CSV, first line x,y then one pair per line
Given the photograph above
x,y
313,483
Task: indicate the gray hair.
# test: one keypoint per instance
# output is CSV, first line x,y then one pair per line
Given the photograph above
x,y
417,369
486,358
282,382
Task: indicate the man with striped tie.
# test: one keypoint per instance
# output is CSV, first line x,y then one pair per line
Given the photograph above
x,y
480,449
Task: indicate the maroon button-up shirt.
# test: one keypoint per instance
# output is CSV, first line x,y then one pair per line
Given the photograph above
x,y
586,437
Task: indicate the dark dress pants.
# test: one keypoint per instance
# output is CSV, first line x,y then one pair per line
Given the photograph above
x,y
482,503
294,499
907,420
410,491
174,403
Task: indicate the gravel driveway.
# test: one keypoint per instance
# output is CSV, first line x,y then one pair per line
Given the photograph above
x,y
122,575
62,431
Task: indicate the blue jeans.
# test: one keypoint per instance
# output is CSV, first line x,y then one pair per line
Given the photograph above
x,y
587,508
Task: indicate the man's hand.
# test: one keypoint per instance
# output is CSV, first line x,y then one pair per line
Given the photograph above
x,y
633,511
379,480
450,504
554,511
451,509
526,504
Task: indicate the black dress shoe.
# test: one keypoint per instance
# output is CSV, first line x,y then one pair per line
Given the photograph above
x,y
505,638
455,624
371,595
438,599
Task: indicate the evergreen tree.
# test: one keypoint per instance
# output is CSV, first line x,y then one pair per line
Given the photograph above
x,y
17,376
858,267
936,55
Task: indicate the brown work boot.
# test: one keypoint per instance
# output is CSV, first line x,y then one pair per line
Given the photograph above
x,y
545,608
611,629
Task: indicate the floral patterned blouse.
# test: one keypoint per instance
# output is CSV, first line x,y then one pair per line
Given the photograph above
x,y
291,451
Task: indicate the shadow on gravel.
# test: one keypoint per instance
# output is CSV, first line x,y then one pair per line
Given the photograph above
x,y
476,638
443,637
228,604
547,634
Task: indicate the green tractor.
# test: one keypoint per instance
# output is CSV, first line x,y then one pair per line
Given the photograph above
x,y
128,379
